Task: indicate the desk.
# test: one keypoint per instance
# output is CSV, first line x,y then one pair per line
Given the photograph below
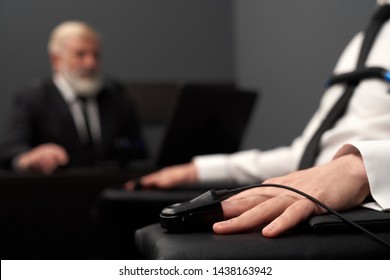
x,y
301,243
120,214
49,216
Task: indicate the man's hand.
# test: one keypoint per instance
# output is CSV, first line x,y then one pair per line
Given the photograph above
x,y
340,184
168,177
44,158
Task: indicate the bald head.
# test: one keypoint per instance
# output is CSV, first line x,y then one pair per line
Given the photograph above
x,y
70,30
75,55
383,2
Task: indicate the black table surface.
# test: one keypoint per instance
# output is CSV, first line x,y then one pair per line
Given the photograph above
x,y
302,243
51,216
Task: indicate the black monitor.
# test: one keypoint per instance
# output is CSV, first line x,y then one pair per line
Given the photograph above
x,y
207,119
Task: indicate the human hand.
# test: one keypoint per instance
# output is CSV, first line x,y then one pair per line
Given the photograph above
x,y
44,158
168,177
341,184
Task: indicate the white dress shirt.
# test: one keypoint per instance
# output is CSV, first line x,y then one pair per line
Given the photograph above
x,y
76,111
365,126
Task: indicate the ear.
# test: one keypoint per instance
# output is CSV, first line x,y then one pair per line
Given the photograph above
x,y
55,61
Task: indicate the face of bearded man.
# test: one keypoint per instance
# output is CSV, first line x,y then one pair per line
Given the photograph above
x,y
79,63
84,82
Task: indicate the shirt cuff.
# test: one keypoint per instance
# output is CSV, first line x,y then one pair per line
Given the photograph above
x,y
376,163
212,168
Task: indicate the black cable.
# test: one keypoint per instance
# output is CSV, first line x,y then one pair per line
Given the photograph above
x,y
223,194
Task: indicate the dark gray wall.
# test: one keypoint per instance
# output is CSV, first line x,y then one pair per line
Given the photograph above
x,y
144,40
287,49
284,48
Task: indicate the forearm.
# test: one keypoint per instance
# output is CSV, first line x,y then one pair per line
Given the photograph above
x,y
245,167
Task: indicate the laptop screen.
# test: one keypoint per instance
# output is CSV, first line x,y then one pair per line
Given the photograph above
x,y
207,119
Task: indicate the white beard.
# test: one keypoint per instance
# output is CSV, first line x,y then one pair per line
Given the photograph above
x,y
84,83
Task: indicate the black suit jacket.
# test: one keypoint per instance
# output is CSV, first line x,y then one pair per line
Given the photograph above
x,y
40,115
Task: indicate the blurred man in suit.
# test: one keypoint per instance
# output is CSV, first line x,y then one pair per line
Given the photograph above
x,y
77,117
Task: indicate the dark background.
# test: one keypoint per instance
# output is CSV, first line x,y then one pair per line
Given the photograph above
x,y
285,49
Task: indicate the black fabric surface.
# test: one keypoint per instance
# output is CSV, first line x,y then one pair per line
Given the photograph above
x,y
156,243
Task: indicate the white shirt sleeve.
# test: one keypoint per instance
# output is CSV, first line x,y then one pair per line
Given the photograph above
x,y
245,167
367,118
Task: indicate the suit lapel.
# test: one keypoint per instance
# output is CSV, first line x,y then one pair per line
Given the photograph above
x,y
64,114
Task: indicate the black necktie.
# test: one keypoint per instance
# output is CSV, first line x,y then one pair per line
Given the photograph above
x,y
312,148
89,139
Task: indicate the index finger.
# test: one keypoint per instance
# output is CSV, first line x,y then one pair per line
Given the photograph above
x,y
255,217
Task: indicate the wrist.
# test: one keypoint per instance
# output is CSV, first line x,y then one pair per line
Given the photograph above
x,y
353,166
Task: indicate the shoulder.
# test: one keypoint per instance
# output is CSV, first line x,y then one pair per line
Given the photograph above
x,y
114,91
39,88
114,85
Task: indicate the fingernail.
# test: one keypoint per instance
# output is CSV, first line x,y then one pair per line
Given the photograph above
x,y
270,227
223,223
